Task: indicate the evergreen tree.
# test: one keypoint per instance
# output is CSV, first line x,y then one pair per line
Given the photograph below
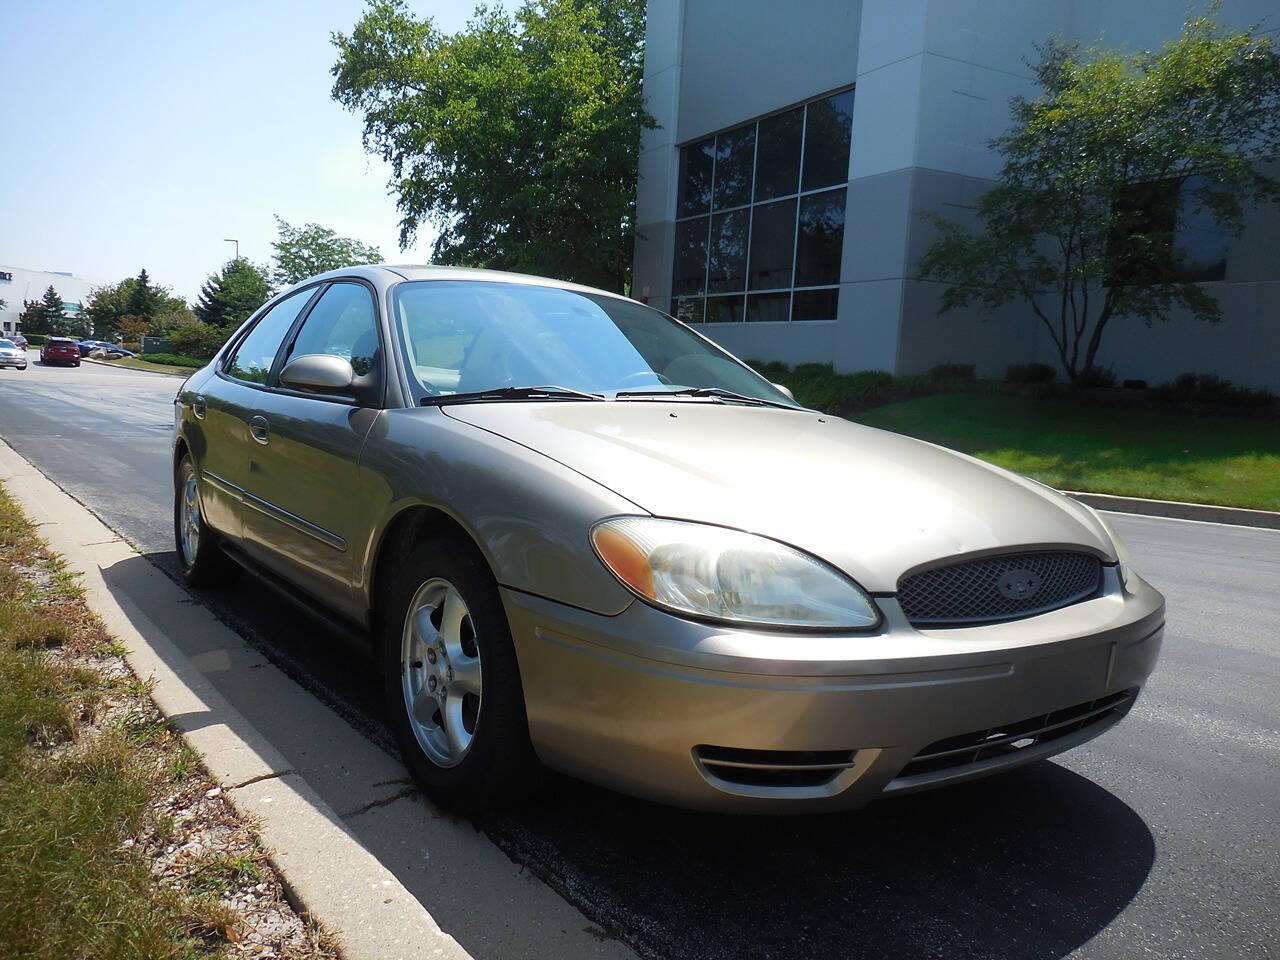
x,y
145,298
228,298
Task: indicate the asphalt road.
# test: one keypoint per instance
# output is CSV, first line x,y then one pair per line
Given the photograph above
x,y
1160,839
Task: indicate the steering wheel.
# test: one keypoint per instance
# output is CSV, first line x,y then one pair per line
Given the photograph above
x,y
651,374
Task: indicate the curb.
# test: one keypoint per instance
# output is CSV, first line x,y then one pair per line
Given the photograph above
x,y
326,871
1177,510
153,373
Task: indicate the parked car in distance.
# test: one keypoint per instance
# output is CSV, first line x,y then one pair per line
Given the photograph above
x,y
60,350
112,350
19,341
11,355
574,530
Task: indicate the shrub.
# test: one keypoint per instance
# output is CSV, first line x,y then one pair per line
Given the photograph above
x,y
173,360
1210,388
1096,377
818,385
197,339
36,339
1030,373
132,347
952,371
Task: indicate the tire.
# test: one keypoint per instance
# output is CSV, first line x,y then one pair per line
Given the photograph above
x,y
498,762
76,364
200,561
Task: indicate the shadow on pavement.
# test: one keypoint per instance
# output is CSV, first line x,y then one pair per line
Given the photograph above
x,y
1029,864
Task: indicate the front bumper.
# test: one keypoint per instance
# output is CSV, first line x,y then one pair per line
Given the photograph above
x,y
19,362
711,717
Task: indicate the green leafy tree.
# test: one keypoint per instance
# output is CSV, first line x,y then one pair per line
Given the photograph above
x,y
172,315
107,304
518,138
46,315
302,252
229,297
1081,226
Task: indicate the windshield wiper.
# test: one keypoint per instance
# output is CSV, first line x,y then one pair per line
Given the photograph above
x,y
511,393
716,393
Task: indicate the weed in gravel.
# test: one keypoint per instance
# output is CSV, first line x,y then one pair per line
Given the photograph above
x,y
218,873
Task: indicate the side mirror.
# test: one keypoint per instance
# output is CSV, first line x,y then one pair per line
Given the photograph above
x,y
317,371
785,392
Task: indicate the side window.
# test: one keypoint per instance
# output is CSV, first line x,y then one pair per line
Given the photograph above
x,y
343,323
253,358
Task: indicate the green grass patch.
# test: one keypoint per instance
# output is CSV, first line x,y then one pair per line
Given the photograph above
x,y
1162,454
72,792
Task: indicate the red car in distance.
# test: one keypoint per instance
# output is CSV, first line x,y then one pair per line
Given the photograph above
x,y
60,350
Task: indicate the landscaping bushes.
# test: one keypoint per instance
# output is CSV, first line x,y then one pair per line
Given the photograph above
x,y
36,339
198,339
818,385
1030,373
1210,388
174,360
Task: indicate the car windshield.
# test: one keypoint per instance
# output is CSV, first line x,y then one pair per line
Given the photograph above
x,y
473,337
7,344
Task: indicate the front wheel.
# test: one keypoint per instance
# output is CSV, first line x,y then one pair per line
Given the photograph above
x,y
200,561
454,699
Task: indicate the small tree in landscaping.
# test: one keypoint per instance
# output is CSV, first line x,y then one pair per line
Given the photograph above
x,y
44,315
1099,170
229,297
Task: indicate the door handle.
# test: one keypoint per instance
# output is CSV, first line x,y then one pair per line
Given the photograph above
x,y
198,407
259,428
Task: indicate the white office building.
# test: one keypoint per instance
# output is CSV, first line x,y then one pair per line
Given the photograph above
x,y
781,197
18,284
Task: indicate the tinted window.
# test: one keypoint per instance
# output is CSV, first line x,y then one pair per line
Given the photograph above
x,y
695,177
815,304
735,154
253,358
342,323
525,336
778,154
768,307
773,234
826,141
821,238
724,309
690,309
690,272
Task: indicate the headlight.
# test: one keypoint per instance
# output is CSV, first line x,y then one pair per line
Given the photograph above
x,y
727,575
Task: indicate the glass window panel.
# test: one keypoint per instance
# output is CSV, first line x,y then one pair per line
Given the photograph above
x,y
690,309
695,177
257,352
826,141
773,234
1200,243
816,304
342,324
727,267
765,307
724,309
819,245
778,154
690,273
735,155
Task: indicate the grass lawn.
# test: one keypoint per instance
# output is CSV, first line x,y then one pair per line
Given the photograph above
x,y
1162,454
133,363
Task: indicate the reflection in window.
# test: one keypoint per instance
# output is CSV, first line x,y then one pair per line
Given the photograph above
x,y
257,352
768,307
1200,244
778,154
727,264
735,155
341,324
724,309
827,131
690,274
690,309
695,178
815,304
773,233
820,239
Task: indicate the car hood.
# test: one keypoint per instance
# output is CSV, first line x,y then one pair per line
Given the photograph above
x,y
873,503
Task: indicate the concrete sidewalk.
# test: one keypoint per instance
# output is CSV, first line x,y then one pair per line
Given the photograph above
x,y
357,846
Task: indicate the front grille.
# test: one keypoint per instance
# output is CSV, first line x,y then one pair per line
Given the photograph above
x,y
1003,587
1008,739
773,768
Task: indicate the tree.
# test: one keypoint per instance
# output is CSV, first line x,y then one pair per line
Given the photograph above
x,y
302,252
45,315
144,298
107,304
517,138
229,297
1100,168
133,329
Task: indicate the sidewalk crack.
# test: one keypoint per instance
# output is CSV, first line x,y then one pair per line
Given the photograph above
x,y
261,777
375,804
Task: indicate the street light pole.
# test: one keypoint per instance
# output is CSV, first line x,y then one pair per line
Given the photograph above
x,y
236,242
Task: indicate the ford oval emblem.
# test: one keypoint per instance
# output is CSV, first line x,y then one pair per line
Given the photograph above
x,y
1018,584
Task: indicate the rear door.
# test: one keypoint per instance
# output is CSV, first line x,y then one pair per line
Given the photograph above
x,y
302,513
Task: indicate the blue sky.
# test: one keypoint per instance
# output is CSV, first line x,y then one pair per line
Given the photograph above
x,y
142,134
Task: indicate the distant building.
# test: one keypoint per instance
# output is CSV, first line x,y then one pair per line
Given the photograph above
x,y
18,284
781,196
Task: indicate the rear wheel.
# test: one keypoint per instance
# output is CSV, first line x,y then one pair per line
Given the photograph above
x,y
200,561
454,699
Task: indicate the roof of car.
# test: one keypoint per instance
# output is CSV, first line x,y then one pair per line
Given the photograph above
x,y
427,271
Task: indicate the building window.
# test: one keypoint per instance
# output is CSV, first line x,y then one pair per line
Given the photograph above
x,y
759,227
1169,215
